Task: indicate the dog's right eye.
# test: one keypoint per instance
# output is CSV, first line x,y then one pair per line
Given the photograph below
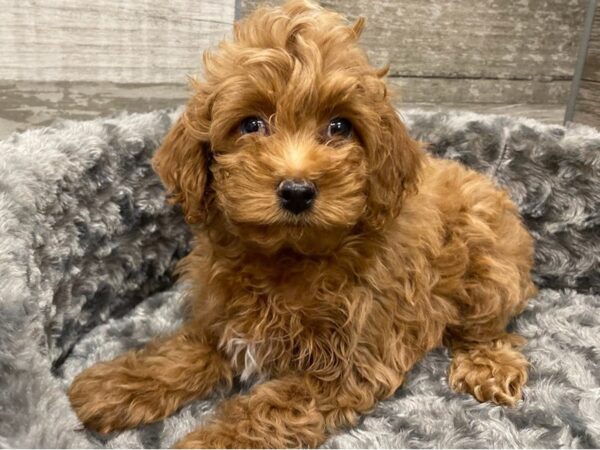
x,y
253,125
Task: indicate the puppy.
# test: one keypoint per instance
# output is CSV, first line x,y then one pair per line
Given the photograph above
x,y
331,253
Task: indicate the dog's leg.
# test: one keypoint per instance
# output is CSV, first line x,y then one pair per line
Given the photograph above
x,y
487,361
146,385
491,370
294,411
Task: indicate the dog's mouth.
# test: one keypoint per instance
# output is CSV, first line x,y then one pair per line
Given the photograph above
x,y
293,235
299,223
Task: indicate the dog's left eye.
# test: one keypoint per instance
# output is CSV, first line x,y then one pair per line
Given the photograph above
x,y
253,125
339,127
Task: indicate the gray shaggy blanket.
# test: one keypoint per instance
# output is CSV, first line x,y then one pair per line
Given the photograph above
x,y
87,249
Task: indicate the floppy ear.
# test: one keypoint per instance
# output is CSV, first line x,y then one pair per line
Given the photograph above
x,y
182,164
395,168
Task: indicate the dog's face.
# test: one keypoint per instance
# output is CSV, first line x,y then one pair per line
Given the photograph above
x,y
291,138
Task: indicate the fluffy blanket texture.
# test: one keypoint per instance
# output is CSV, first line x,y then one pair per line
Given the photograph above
x,y
87,249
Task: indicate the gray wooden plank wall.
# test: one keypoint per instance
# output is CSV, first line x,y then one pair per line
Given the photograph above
x,y
470,51
79,59
587,106
109,40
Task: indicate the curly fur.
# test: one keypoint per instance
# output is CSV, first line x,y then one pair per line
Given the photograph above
x,y
328,310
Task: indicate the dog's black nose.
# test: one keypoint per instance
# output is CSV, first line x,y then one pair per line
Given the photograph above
x,y
296,196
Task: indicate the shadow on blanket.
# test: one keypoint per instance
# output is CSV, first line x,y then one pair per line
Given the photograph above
x,y
87,248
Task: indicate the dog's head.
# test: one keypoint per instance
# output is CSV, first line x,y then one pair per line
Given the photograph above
x,y
291,137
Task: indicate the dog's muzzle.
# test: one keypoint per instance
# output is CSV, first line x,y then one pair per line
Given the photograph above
x,y
296,196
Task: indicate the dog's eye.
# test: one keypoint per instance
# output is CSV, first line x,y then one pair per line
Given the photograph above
x,y
253,125
339,127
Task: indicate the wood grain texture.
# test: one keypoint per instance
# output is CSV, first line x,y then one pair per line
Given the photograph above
x,y
40,103
545,113
587,110
29,104
591,71
485,91
458,47
587,104
109,40
522,39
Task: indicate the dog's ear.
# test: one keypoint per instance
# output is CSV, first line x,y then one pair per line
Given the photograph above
x,y
395,167
182,164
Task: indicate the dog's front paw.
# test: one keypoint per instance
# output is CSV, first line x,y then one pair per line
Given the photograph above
x,y
496,377
107,397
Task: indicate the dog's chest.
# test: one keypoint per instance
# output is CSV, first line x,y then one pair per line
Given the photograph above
x,y
294,327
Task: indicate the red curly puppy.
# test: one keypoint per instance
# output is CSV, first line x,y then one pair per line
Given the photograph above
x,y
331,252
